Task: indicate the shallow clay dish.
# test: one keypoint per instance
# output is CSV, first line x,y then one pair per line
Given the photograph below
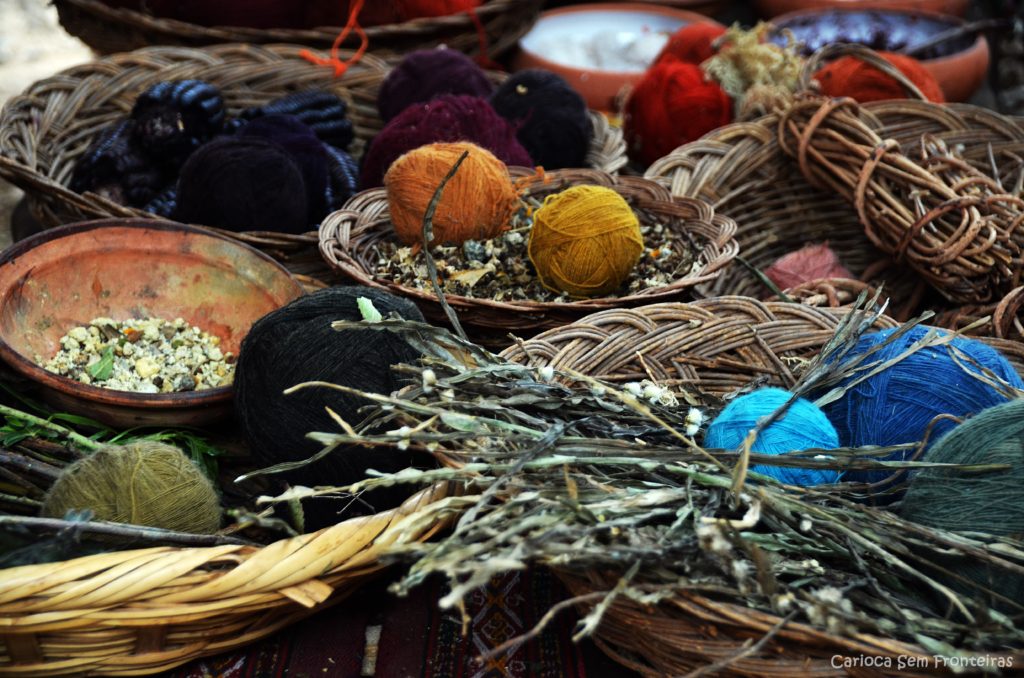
x,y
614,21
959,64
124,268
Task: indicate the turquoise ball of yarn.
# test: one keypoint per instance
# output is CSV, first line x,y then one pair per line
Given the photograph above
x,y
897,405
803,426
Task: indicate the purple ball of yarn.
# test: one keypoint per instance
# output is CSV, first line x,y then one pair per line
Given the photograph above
x,y
306,150
243,184
553,122
428,74
445,119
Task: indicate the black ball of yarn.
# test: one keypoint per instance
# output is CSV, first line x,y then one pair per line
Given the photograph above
x,y
325,113
243,184
427,74
295,344
174,118
554,125
343,175
306,150
115,167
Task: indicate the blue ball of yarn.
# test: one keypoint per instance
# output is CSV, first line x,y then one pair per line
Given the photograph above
x,y
802,427
897,405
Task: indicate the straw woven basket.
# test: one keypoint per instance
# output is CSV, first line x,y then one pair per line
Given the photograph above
x,y
110,29
47,128
707,349
348,237
148,610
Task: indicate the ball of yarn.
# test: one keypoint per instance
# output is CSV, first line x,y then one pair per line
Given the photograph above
x,y
691,44
553,122
296,344
811,262
306,150
243,184
848,76
142,483
323,112
173,118
991,502
445,119
897,405
803,426
421,9
477,203
673,104
585,241
427,74
115,167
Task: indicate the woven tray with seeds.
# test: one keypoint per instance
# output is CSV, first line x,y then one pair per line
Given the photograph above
x,y
491,285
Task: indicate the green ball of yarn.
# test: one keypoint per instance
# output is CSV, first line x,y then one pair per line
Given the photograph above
x,y
989,502
142,483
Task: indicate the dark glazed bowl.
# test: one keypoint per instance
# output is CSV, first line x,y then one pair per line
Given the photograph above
x,y
125,268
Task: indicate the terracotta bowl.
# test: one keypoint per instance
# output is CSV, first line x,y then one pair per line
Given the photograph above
x,y
774,8
125,268
608,21
959,64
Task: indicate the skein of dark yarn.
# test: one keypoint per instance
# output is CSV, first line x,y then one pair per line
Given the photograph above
x,y
243,184
114,167
554,125
295,344
427,74
306,150
343,175
174,118
324,113
164,204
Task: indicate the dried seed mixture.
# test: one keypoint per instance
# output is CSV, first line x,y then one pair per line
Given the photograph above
x,y
500,269
148,355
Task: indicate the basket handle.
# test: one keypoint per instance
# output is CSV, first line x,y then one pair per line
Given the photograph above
x,y
840,49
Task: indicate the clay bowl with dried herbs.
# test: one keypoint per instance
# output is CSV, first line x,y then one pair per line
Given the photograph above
x,y
492,286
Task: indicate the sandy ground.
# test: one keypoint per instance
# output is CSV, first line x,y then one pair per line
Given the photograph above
x,y
32,46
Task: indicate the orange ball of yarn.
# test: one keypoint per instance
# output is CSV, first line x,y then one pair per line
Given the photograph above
x,y
673,104
691,44
585,241
812,262
851,77
477,203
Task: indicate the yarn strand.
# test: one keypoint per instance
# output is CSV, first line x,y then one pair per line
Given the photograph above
x,y
341,67
428,235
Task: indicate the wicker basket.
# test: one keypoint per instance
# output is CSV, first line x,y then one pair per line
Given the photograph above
x,y
347,238
148,610
706,349
109,29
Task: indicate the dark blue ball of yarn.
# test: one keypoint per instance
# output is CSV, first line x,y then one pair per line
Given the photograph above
x,y
115,167
174,118
802,427
554,125
427,74
243,184
306,150
897,405
296,344
323,112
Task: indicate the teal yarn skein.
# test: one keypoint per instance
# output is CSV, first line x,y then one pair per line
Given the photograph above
x,y
803,426
897,405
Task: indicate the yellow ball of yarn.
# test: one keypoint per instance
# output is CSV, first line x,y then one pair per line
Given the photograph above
x,y
477,203
585,241
143,483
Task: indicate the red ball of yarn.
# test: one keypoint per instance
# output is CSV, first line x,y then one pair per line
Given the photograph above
x,y
672,105
851,77
447,118
812,262
691,44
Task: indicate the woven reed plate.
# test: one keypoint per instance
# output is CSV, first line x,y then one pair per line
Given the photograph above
x,y
348,235
109,29
148,610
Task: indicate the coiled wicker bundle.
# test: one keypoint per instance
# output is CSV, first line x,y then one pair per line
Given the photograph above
x,y
110,29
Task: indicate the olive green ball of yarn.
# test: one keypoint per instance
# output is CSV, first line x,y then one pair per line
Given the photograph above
x,y
142,483
990,502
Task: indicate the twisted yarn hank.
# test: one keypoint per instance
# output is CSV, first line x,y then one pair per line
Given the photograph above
x,y
585,241
142,483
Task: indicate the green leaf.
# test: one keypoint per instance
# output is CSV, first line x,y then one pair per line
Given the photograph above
x,y
104,367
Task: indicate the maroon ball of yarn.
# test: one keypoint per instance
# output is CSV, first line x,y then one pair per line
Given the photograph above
x,y
445,119
427,74
812,262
